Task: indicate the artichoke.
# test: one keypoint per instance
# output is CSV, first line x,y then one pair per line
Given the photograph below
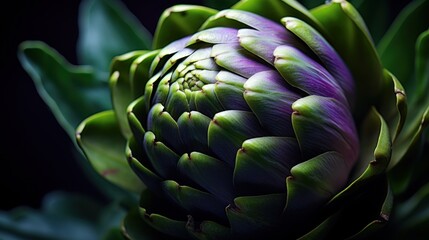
x,y
262,120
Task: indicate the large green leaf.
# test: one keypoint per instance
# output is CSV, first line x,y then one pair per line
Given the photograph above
x,y
61,216
107,29
396,48
72,92
101,140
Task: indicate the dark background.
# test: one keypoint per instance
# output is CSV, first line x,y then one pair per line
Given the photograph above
x,y
36,155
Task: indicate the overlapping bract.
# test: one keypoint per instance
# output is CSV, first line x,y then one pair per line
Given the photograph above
x,y
230,113
247,126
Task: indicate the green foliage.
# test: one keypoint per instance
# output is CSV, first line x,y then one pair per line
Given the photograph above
x,y
62,216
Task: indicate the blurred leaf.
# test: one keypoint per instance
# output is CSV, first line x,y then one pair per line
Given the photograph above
x,y
407,163
375,15
219,4
63,216
412,216
107,29
422,66
101,140
396,48
114,234
72,92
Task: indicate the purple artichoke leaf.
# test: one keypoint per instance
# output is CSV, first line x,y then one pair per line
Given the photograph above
x,y
346,32
270,97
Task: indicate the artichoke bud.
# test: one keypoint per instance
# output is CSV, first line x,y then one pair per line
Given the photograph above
x,y
245,128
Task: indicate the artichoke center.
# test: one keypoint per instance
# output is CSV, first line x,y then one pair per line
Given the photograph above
x,y
190,81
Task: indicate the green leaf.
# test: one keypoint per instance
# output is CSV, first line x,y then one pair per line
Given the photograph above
x,y
102,142
134,227
72,92
121,86
408,146
375,154
422,67
61,216
393,104
180,21
375,14
107,29
399,40
412,216
348,34
219,4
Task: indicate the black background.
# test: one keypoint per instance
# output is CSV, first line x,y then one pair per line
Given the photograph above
x,y
36,155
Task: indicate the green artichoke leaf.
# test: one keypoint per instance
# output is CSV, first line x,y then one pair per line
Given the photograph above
x,y
104,146
208,230
375,154
381,220
393,106
376,221
277,9
210,173
219,4
180,21
250,213
108,29
314,182
137,118
171,227
347,33
134,227
399,41
192,199
135,154
73,93
129,74
120,88
61,216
